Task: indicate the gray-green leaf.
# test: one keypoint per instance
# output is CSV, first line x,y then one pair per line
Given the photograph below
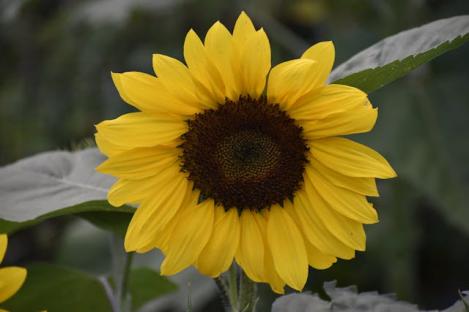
x,y
397,55
52,184
348,299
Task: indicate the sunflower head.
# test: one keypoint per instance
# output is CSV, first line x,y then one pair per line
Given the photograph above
x,y
231,160
247,154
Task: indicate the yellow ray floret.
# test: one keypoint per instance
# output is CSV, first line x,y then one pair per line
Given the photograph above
x,y
11,278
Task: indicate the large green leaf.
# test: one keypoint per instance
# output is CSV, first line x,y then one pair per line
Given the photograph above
x,y
59,289
397,55
98,212
56,288
54,184
109,220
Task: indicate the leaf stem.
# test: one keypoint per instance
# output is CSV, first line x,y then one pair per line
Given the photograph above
x,y
240,291
109,293
121,265
224,293
233,287
247,294
125,277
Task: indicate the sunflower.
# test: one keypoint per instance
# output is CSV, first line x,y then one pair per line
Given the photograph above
x,y
230,160
11,278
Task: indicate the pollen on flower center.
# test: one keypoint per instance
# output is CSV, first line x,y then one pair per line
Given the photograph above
x,y
247,154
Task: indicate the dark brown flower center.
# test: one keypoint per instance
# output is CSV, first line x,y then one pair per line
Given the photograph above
x,y
247,154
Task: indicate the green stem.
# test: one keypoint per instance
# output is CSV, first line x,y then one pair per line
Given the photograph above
x,y
224,293
189,297
121,265
247,294
233,287
125,278
239,289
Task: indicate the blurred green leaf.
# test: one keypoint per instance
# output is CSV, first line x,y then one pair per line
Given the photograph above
x,y
59,289
424,134
54,184
396,56
112,221
146,284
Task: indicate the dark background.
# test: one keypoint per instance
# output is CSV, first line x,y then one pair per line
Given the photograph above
x,y
55,63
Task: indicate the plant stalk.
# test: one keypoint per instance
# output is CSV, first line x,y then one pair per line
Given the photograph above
x,y
247,294
121,266
233,287
125,278
239,289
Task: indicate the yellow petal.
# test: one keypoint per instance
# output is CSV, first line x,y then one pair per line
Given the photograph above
x,y
364,186
276,283
142,130
360,120
107,148
255,64
324,54
148,94
348,231
348,203
289,81
176,78
202,68
328,100
155,212
314,230
189,238
220,49
317,259
3,246
271,276
243,29
162,237
219,252
139,163
250,253
350,158
11,280
126,191
270,273
288,249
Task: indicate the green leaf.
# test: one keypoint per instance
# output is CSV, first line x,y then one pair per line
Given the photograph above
x,y
44,183
54,184
112,221
99,212
396,56
59,289
146,284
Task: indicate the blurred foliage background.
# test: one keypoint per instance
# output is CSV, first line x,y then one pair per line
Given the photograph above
x,y
55,62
